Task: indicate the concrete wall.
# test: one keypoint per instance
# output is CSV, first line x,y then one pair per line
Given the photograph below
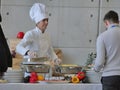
x,y
73,24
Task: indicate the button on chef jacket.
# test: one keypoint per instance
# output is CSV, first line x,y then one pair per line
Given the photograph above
x,y
37,41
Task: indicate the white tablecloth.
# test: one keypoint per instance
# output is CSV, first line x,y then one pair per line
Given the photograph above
x,y
38,86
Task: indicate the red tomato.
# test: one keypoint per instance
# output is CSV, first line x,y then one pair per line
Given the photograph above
x,y
33,80
81,75
33,77
33,74
20,35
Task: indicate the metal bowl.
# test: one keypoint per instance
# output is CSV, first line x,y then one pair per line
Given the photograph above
x,y
93,77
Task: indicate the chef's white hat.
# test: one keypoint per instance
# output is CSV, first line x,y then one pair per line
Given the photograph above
x,y
38,12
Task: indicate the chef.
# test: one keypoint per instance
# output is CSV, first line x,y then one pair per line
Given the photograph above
x,y
36,42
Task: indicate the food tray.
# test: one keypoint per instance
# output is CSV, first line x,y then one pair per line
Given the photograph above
x,y
40,60
39,68
68,69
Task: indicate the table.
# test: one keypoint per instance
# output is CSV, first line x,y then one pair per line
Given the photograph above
x,y
38,86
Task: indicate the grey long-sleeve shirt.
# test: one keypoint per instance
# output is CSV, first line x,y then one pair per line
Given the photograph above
x,y
108,51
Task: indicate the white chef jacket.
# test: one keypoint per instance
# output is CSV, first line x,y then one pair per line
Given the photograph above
x,y
37,41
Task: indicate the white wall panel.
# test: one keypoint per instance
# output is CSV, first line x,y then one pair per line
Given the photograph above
x,y
110,3
20,2
76,55
15,19
78,27
73,3
52,28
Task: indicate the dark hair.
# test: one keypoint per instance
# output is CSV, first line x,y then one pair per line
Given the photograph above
x,y
112,16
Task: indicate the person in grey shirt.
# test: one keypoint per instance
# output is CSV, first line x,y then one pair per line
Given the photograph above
x,y
108,52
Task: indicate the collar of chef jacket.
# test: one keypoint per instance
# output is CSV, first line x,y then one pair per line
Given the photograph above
x,y
38,30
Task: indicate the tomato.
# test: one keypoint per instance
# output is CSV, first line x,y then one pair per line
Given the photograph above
x,y
33,74
20,35
81,75
33,77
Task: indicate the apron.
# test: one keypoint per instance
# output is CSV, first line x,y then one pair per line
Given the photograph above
x,y
44,46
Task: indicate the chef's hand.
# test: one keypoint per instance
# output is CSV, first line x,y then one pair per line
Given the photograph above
x,y
32,54
57,61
